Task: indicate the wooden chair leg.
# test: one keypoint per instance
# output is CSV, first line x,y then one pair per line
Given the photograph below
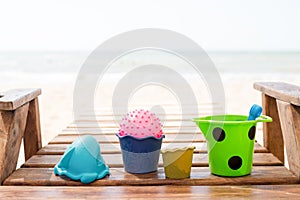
x,y
290,123
11,132
32,134
273,139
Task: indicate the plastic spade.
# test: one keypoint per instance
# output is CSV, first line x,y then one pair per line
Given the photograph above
x,y
255,112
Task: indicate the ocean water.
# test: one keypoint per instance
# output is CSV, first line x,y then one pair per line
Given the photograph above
x,y
225,62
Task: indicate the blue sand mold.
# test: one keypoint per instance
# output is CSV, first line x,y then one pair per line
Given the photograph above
x,y
82,161
140,163
140,145
140,155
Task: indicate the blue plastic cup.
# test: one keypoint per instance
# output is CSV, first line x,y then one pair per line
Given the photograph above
x,y
140,155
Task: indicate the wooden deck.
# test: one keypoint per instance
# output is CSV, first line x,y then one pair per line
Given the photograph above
x,y
38,170
153,192
269,177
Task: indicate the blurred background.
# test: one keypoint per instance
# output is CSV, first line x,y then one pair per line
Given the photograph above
x,y
43,44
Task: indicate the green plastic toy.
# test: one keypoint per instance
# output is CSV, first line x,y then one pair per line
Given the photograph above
x,y
230,142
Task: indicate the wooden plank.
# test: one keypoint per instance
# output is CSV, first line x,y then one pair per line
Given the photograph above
x,y
113,131
103,117
190,114
290,123
110,118
168,114
32,135
12,127
112,124
272,134
201,147
163,105
153,192
283,91
109,148
118,177
13,99
184,138
115,160
165,108
165,111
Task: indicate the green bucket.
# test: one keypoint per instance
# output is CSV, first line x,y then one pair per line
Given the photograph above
x,y
230,142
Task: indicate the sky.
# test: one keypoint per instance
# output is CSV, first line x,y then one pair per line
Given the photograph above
x,y
232,25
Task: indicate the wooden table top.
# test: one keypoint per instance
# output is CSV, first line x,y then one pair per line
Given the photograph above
x,y
268,178
153,192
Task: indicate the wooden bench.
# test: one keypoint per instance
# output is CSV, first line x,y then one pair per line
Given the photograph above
x,y
269,177
281,101
19,120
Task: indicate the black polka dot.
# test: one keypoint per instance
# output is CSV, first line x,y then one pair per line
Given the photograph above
x,y
251,133
235,162
219,134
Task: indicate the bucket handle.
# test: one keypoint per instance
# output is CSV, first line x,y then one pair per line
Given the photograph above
x,y
263,118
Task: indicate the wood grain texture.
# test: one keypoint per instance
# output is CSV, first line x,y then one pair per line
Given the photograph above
x,y
13,99
11,133
290,123
32,135
38,171
283,91
118,177
102,138
109,148
154,192
113,131
112,124
176,111
110,117
272,133
115,160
